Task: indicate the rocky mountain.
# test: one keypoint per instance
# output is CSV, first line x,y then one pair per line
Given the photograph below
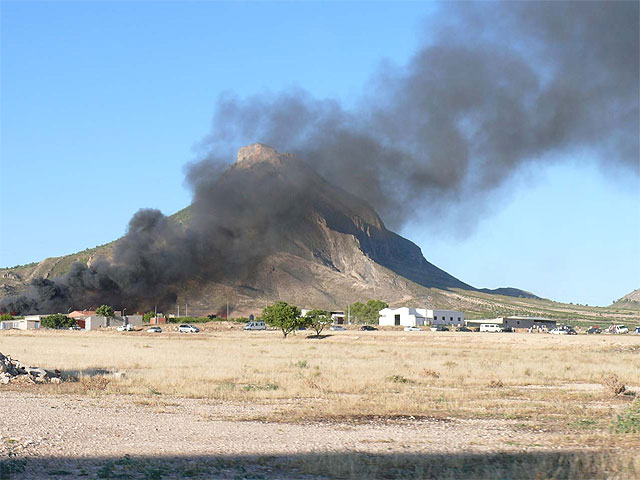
x,y
282,232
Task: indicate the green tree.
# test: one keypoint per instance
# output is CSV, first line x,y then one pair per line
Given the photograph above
x,y
284,316
57,321
318,320
105,311
6,316
367,312
146,318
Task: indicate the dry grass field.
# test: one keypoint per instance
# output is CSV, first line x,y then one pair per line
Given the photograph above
x,y
545,393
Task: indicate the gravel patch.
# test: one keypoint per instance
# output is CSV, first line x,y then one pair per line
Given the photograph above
x,y
66,429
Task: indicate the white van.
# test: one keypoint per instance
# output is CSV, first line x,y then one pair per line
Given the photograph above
x,y
490,327
255,325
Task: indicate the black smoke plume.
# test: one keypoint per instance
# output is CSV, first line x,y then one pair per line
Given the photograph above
x,y
495,87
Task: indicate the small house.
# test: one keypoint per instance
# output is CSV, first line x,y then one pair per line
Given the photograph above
x,y
21,324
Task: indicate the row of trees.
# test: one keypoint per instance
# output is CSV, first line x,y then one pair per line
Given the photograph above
x,y
288,318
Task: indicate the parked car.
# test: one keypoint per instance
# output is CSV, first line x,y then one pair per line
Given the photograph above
x,y
412,329
490,327
367,328
337,328
125,328
463,329
558,331
439,328
593,330
154,330
637,331
186,328
619,329
75,327
255,325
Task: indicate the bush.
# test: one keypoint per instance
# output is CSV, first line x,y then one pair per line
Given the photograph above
x,y
57,321
6,316
613,384
146,318
399,379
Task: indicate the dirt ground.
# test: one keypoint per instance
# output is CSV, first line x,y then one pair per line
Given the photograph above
x,y
69,436
389,405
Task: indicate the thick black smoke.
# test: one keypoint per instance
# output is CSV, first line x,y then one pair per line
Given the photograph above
x,y
495,86
148,263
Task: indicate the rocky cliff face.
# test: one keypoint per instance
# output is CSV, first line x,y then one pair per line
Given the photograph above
x,y
332,226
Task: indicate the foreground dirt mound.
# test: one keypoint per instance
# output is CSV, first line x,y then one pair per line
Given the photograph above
x,y
13,370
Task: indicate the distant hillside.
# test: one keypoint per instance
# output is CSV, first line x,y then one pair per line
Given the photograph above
x,y
509,292
630,301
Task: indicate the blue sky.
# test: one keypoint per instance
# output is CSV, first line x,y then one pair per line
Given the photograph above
x,y
102,105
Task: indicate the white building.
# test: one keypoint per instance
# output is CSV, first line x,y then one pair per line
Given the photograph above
x,y
25,323
413,317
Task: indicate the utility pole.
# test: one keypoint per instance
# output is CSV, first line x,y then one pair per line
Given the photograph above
x,y
349,314
155,313
227,310
178,310
426,310
186,309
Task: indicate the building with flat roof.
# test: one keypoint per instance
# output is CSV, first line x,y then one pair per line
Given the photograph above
x,y
415,317
515,321
21,324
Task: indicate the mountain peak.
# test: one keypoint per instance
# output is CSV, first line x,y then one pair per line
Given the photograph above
x,y
258,153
